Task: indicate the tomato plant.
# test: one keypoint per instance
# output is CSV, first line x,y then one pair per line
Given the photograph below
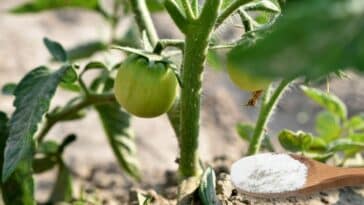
x,y
145,88
271,48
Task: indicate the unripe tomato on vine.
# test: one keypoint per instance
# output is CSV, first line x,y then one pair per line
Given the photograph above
x,y
246,81
145,88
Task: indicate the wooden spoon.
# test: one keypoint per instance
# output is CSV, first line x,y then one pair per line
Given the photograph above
x,y
320,177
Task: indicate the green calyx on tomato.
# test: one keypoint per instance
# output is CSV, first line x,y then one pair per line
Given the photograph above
x,y
145,88
246,81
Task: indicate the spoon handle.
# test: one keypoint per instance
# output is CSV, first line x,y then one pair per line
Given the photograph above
x,y
350,176
355,171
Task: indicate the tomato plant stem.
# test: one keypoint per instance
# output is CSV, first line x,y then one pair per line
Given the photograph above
x,y
144,20
195,51
269,102
53,118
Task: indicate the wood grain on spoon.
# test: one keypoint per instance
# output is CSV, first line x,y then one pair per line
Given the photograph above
x,y
321,176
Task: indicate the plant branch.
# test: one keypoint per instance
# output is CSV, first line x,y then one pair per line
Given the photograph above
x,y
266,110
195,8
188,9
176,14
164,43
228,11
53,118
144,20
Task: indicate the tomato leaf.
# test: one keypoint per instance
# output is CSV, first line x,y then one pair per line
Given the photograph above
x,y
357,137
329,101
86,50
345,144
32,99
95,65
313,38
62,190
116,124
18,189
319,156
43,164
207,188
356,123
327,126
295,142
70,87
56,49
8,89
35,6
48,147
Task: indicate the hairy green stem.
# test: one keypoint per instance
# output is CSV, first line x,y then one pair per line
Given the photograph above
x,y
195,8
144,20
52,119
230,9
266,110
177,15
195,51
188,9
164,43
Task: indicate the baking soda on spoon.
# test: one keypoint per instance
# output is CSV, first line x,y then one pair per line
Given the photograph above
x,y
268,173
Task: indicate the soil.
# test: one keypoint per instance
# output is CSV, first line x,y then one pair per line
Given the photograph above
x,y
95,170
103,183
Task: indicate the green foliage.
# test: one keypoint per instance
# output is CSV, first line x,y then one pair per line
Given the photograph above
x,y
295,141
327,126
335,133
86,50
18,189
330,102
56,50
34,6
312,39
62,190
116,124
32,98
8,89
207,188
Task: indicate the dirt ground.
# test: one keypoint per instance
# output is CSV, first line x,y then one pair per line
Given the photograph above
x,y
21,50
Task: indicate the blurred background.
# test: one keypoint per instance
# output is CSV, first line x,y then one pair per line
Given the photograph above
x,y
22,49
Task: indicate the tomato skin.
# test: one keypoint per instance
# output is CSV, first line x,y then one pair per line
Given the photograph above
x,y
145,89
246,81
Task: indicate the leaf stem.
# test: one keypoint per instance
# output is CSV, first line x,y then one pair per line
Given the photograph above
x,y
230,10
144,20
164,43
188,9
53,118
266,110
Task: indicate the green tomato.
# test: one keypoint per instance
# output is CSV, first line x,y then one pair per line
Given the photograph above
x,y
145,88
246,81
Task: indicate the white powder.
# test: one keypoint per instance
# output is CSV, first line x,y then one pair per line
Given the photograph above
x,y
268,173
